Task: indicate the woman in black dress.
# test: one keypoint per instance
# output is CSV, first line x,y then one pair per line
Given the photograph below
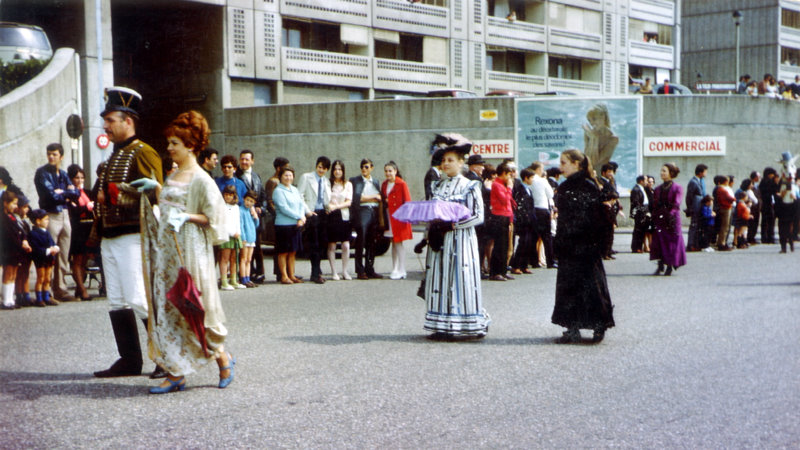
x,y
582,298
80,218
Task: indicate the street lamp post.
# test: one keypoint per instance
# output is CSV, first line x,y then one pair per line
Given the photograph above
x,y
737,20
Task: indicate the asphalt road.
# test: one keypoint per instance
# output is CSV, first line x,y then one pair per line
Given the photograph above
x,y
707,358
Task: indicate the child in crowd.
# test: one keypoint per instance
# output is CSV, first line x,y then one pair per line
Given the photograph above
x,y
741,219
249,220
22,288
707,233
14,244
229,251
43,255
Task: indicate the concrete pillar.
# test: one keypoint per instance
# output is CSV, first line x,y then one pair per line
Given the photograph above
x,y
97,72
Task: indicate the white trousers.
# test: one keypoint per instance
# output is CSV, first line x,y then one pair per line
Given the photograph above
x,y
122,267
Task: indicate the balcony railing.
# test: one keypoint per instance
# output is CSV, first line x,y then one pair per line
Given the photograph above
x,y
659,11
787,73
651,55
318,67
527,84
354,12
576,86
395,75
572,43
522,35
400,15
790,37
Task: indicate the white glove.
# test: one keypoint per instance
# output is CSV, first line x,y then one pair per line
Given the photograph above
x,y
145,184
177,219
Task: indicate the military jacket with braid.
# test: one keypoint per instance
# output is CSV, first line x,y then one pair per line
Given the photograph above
x,y
130,161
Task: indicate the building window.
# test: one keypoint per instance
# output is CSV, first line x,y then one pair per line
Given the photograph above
x,y
790,18
408,49
566,68
790,56
654,33
574,19
503,60
504,8
312,35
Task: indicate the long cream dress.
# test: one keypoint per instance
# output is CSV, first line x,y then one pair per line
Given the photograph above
x,y
171,343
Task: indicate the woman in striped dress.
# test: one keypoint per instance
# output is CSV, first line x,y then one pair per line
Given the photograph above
x,y
453,275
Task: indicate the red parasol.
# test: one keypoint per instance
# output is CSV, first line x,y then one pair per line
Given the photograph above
x,y
185,296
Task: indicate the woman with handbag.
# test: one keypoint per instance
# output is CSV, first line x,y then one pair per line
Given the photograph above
x,y
191,222
667,247
290,217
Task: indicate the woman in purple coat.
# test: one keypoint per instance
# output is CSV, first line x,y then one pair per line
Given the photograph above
x,y
667,246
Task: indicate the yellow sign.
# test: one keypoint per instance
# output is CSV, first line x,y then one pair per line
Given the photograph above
x,y
488,114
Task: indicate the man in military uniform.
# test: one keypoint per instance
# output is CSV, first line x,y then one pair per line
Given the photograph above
x,y
118,211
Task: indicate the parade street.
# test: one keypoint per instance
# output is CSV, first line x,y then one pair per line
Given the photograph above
x,y
706,358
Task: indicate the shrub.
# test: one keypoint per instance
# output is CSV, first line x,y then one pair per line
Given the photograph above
x,y
14,75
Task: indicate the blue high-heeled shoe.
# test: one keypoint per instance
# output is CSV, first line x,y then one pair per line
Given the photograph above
x,y
177,385
223,383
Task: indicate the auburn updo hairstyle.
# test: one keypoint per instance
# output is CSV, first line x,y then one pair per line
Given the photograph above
x,y
192,129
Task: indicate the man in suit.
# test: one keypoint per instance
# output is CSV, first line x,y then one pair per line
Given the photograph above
x,y
695,192
475,168
364,216
755,208
610,198
768,188
640,212
252,182
316,192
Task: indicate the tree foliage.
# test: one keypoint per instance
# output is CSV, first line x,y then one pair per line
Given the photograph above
x,y
14,75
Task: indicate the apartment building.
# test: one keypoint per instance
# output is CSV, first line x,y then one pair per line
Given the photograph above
x,y
290,51
769,39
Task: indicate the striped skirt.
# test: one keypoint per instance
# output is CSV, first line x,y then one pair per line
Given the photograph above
x,y
453,287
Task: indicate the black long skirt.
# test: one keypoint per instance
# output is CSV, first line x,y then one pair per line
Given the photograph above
x,y
582,298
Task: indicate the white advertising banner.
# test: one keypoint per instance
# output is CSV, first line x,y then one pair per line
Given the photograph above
x,y
685,146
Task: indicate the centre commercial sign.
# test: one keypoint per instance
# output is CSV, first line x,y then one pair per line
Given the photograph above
x,y
496,148
685,146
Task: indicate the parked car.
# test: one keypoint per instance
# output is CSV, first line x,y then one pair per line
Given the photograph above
x,y
558,93
452,93
19,42
504,93
382,242
677,89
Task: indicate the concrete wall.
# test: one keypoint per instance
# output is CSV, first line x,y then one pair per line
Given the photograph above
x,y
382,130
34,115
757,131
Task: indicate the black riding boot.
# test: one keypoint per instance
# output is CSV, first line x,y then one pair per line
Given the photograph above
x,y
126,333
660,268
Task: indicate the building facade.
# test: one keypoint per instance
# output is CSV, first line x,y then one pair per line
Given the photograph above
x,y
769,35
291,51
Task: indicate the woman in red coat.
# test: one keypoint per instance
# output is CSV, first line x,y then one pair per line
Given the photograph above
x,y
394,193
